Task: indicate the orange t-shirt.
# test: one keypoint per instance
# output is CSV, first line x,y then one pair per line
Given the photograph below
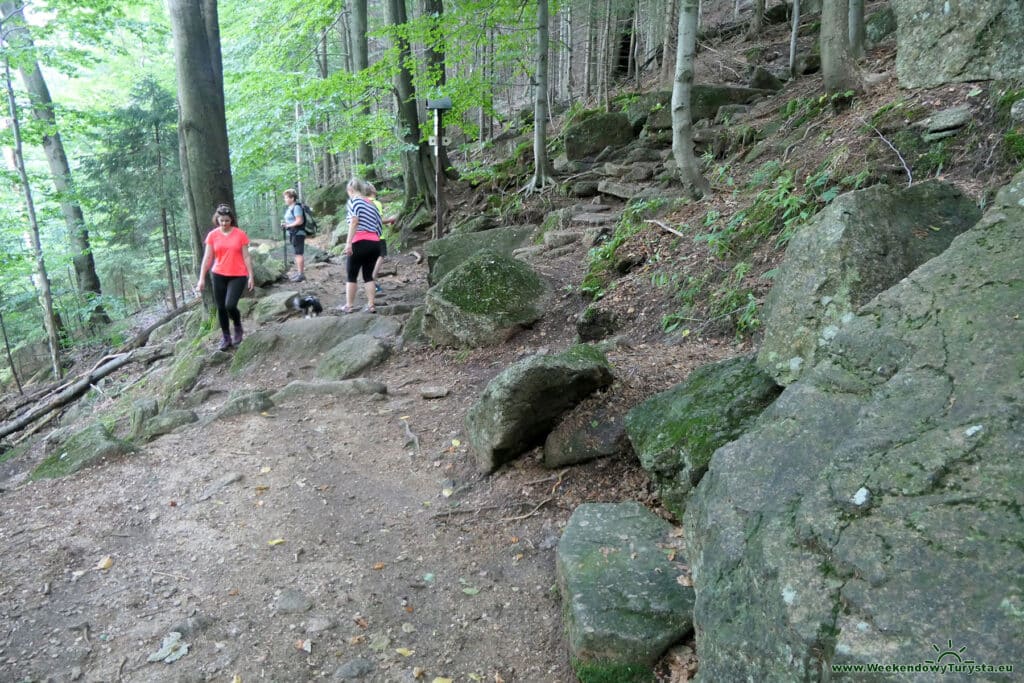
x,y
227,251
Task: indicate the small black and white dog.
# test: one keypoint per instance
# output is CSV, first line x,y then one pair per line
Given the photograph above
x,y
308,305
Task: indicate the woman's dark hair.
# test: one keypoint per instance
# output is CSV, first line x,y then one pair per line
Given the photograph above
x,y
224,210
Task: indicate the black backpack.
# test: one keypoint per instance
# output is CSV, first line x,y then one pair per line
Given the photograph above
x,y
309,225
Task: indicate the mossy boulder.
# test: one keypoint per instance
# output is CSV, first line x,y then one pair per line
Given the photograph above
x,y
619,568
184,374
587,433
267,268
242,401
166,422
861,244
351,357
483,301
523,403
272,305
705,101
85,447
591,135
327,200
880,25
142,409
475,224
638,106
446,254
675,432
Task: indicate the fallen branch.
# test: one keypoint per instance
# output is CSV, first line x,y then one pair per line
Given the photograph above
x,y
531,513
76,388
665,227
411,438
910,176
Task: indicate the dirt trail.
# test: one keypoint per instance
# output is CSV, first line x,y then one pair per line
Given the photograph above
x,y
305,543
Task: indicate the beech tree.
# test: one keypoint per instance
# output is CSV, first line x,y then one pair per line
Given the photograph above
x,y
682,111
202,130
19,38
837,67
541,174
42,278
361,62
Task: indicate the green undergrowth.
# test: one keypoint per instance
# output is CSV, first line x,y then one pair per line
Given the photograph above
x,y
601,259
612,672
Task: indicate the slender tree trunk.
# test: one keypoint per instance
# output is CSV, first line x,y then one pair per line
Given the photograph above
x,y
10,358
682,112
49,321
541,176
565,92
205,163
588,61
837,66
416,163
756,20
856,28
163,221
794,34
87,279
361,62
669,47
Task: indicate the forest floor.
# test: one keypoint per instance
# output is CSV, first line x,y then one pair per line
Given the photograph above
x,y
314,542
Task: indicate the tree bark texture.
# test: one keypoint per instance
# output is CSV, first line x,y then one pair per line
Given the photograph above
x,y
361,62
682,127
416,163
88,280
205,164
793,36
541,176
856,28
837,66
46,297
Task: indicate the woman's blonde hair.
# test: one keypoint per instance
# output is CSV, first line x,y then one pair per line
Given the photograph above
x,y
292,193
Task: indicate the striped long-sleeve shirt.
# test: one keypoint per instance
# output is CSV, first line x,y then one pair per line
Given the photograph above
x,y
369,226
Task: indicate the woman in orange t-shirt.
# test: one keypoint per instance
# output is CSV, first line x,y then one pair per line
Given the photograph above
x,y
227,258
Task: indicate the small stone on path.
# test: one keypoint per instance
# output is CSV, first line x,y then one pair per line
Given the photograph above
x,y
293,601
434,392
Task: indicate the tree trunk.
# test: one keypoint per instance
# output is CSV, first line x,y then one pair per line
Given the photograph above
x,y
682,130
49,321
202,129
541,175
794,34
10,358
42,108
837,66
361,62
856,28
669,46
163,222
756,19
417,164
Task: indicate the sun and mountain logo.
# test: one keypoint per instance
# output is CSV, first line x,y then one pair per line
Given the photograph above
x,y
949,655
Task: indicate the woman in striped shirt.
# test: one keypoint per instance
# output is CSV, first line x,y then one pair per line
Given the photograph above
x,y
363,244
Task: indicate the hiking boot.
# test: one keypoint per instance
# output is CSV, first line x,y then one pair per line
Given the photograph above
x,y
225,343
298,277
236,339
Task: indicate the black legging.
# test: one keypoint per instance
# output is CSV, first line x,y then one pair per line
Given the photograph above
x,y
227,290
364,257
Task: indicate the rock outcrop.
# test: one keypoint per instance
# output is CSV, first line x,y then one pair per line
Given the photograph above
x,y
873,514
861,244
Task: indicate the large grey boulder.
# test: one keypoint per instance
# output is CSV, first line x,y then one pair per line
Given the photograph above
x,y
273,305
166,422
675,432
594,133
447,253
705,101
351,357
954,42
622,582
587,433
520,406
483,301
861,244
243,401
80,449
268,267
303,339
315,391
873,514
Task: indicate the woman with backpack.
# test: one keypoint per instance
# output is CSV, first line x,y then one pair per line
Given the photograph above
x,y
295,223
230,266
363,244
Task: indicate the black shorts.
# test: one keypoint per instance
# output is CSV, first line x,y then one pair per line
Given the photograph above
x,y
299,243
363,258
383,248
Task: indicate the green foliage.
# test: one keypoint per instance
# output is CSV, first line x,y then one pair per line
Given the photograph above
x,y
798,111
1014,142
601,257
612,672
1005,101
